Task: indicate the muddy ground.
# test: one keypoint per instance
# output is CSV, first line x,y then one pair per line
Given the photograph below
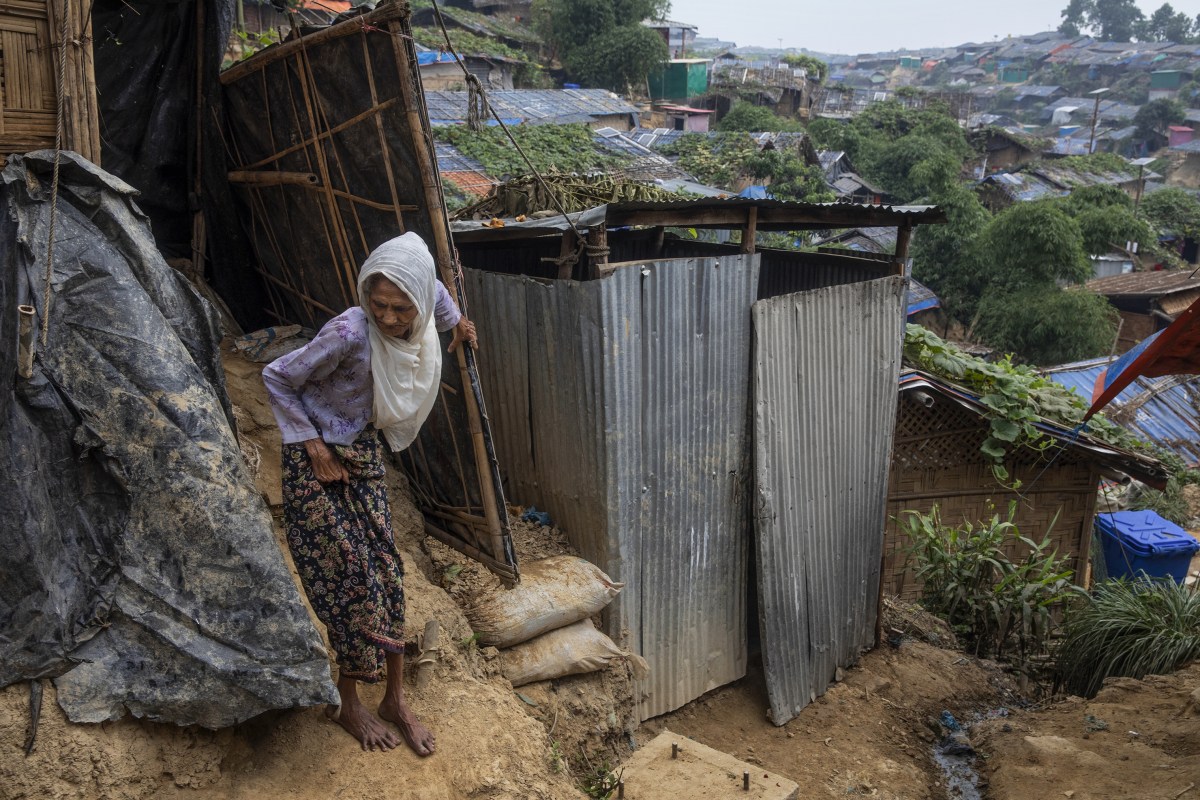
x,y
872,734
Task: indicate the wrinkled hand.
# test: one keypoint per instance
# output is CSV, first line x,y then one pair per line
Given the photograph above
x,y
464,331
326,465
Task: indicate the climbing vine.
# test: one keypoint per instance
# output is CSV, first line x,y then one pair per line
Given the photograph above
x,y
1017,398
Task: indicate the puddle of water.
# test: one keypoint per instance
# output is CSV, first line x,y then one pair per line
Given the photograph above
x,y
962,783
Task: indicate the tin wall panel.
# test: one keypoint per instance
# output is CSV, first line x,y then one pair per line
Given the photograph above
x,y
635,420
826,364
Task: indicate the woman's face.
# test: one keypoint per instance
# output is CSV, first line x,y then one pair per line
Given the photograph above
x,y
393,310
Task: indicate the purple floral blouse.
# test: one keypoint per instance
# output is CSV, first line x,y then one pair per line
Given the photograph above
x,y
324,388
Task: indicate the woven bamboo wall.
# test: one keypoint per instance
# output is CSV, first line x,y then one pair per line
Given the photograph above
x,y
936,461
29,34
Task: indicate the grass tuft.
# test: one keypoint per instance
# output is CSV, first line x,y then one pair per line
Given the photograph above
x,y
1129,629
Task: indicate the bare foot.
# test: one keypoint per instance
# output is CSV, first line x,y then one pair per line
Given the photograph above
x,y
419,738
362,725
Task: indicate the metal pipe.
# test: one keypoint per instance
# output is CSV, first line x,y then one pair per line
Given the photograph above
x,y
25,341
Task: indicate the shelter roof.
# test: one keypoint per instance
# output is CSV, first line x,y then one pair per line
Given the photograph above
x,y
1187,147
1034,90
530,105
728,213
667,23
1158,410
850,182
920,297
1024,185
1146,284
496,26
1108,456
868,239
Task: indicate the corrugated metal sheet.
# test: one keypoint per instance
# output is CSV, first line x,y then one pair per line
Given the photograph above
x,y
1159,410
636,386
825,369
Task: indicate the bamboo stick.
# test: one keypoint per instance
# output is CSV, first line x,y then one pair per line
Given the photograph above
x,y
341,126
383,14
383,148
307,92
272,178
415,109
504,571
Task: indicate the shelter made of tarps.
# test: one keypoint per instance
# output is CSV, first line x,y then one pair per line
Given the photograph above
x,y
331,155
140,570
632,401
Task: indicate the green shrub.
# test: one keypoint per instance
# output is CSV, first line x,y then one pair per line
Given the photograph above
x,y
994,604
1131,629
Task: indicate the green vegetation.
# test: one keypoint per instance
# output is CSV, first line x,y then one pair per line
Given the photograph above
x,y
551,148
817,69
602,43
1173,210
1130,629
993,603
910,153
1123,21
745,116
723,159
1017,398
1158,115
1170,503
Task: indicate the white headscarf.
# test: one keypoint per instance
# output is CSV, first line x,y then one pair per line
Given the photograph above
x,y
406,371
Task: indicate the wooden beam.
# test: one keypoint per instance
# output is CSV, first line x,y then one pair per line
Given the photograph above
x,y
732,215
375,19
903,234
750,230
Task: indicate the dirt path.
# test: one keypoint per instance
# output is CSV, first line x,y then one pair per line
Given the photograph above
x,y
872,734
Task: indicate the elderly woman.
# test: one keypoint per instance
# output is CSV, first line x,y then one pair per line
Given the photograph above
x,y
372,369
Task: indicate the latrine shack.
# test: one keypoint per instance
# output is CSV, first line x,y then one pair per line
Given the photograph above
x,y
709,423
937,461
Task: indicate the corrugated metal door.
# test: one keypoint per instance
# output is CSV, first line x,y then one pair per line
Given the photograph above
x,y
826,365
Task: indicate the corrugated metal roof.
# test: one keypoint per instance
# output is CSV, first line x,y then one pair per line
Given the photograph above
x,y
821,472
1024,186
1187,147
526,105
1146,284
621,407
1158,410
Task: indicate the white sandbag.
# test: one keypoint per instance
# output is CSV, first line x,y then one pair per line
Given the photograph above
x,y
572,650
552,593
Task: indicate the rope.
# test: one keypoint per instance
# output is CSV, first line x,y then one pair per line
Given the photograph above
x,y
58,142
477,86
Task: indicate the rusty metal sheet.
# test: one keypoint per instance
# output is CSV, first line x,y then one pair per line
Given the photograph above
x,y
825,369
624,403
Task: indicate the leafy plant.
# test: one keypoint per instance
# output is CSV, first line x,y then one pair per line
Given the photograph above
x,y
1017,398
991,601
1131,629
1170,503
551,148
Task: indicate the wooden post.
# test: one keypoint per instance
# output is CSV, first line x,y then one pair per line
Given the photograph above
x,y
414,108
903,234
429,653
597,238
750,230
570,243
268,178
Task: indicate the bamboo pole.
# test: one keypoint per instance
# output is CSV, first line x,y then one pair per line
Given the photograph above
x,y
272,178
377,18
414,108
302,145
501,569
383,148
199,223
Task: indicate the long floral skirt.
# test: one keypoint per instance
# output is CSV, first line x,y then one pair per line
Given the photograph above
x,y
340,535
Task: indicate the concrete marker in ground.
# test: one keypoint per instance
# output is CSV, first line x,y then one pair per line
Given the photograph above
x,y
697,772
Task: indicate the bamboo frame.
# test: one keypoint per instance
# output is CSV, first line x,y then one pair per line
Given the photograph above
x,y
314,165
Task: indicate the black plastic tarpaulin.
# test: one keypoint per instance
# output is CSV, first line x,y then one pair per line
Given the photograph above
x,y
138,565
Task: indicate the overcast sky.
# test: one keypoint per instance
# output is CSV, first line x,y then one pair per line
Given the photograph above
x,y
864,26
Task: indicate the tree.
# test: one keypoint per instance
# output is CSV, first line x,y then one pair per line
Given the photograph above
x,y
583,35
746,116
1157,115
1173,210
1107,20
1047,325
1035,243
946,258
1167,25
618,59
816,68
